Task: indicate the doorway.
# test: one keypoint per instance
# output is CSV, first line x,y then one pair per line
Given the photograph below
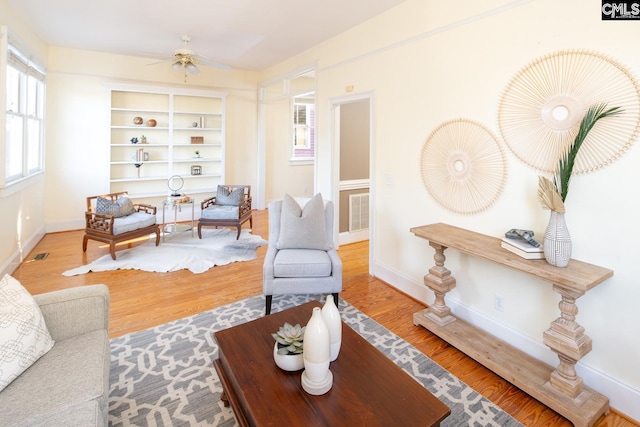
x,y
352,124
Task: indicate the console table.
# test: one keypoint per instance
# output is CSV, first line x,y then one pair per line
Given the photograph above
x,y
561,388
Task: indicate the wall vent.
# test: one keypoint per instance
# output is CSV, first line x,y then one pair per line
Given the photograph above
x,y
358,212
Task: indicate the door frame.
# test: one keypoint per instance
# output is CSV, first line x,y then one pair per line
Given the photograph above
x,y
334,108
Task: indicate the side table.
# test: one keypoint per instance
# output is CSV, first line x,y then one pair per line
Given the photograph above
x,y
177,203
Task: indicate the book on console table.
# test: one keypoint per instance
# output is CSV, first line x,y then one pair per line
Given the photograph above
x,y
522,248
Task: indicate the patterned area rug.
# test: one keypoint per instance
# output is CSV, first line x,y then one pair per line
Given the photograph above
x,y
164,376
180,251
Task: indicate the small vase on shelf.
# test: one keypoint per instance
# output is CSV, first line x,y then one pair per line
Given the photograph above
x,y
557,241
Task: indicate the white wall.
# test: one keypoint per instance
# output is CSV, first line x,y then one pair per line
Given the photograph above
x,y
427,62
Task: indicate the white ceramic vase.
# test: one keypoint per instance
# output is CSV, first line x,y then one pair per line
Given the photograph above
x,y
557,241
316,379
331,317
288,362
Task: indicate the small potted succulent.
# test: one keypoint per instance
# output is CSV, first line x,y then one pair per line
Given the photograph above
x,y
287,351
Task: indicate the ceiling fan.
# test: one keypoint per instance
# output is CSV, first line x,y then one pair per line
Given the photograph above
x,y
185,59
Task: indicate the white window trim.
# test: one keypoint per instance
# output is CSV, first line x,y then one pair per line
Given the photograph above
x,y
17,56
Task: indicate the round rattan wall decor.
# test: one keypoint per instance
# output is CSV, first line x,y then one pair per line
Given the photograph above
x,y
542,107
463,167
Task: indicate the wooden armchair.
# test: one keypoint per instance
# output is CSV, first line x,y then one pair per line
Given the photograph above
x,y
113,218
230,207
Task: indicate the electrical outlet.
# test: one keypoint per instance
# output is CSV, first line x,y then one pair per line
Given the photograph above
x,y
498,302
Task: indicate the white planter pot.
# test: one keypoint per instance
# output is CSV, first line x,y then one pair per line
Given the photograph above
x,y
288,362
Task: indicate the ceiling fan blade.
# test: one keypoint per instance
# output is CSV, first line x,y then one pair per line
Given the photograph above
x,y
160,62
210,63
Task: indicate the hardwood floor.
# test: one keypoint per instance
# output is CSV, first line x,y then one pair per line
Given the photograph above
x,y
141,300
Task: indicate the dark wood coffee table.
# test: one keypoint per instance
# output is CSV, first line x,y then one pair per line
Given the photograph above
x,y
368,388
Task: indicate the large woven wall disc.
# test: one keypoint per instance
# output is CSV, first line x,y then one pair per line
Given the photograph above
x,y
463,167
543,105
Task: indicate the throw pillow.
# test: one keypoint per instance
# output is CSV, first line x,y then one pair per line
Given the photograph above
x,y
303,228
24,336
225,197
121,207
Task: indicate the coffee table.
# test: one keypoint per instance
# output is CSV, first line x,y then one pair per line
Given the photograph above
x,y
368,388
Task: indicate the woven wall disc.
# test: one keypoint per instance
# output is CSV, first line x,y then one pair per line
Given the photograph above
x,y
463,167
542,107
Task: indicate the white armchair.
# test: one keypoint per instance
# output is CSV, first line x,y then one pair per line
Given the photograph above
x,y
301,257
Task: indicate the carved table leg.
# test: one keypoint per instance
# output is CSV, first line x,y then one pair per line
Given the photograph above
x,y
566,338
225,399
440,281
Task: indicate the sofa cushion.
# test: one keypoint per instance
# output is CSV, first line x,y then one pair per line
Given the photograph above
x,y
301,263
220,212
225,197
24,337
79,366
133,222
303,228
121,207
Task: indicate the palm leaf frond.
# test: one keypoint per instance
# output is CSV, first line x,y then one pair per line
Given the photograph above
x,y
548,195
565,165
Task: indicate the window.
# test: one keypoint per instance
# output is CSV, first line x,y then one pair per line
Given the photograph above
x,y
24,138
303,130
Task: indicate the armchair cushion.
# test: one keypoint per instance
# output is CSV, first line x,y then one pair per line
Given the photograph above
x,y
301,263
220,212
224,197
133,222
121,207
24,337
303,228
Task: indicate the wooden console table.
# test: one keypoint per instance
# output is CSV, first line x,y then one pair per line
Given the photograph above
x,y
561,388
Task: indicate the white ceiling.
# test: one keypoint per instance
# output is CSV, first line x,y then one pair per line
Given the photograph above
x,y
245,34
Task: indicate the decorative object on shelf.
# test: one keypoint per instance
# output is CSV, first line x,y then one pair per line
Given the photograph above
x,y
202,123
288,348
194,124
331,317
152,123
197,154
175,184
197,139
316,378
143,139
543,104
139,158
134,140
137,120
553,194
463,167
196,170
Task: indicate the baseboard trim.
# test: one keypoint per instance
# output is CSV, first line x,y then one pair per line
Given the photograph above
x,y
18,256
623,398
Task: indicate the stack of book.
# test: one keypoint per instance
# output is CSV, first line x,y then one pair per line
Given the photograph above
x,y
522,248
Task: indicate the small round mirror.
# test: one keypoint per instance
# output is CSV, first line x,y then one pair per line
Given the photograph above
x,y
175,184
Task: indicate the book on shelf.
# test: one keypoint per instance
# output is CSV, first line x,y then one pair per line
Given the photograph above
x,y
522,248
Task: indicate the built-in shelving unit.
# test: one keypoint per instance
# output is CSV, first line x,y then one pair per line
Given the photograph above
x,y
186,121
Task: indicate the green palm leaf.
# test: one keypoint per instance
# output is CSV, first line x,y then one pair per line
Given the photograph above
x,y
565,166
